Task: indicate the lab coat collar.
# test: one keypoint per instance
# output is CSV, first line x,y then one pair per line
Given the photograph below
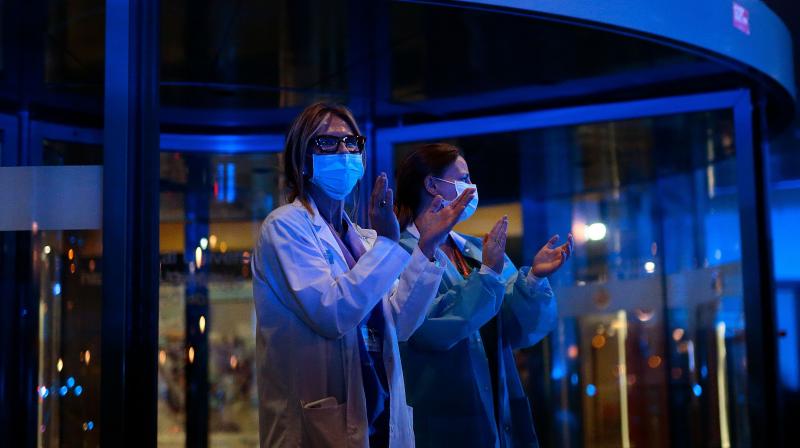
x,y
367,236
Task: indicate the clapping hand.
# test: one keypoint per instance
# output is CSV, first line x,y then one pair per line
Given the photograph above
x,y
436,222
494,245
381,210
551,257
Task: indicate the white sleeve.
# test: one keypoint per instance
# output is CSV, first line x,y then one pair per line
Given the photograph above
x,y
288,255
416,289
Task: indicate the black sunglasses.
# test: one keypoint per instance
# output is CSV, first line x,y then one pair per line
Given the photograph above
x,y
330,143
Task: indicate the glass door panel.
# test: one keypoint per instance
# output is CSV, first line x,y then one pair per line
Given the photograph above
x,y
52,213
212,206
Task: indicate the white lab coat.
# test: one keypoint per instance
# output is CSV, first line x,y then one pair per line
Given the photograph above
x,y
309,305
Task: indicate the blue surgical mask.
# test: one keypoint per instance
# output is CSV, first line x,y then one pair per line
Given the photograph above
x,y
337,174
469,210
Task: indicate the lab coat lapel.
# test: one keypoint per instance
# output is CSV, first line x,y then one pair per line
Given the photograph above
x,y
366,236
324,233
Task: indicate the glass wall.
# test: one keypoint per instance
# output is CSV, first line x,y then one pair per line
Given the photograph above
x,y
67,266
52,214
785,214
649,349
219,54
212,206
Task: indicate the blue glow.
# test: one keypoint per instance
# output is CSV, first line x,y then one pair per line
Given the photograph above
x,y
722,247
90,425
63,390
704,371
591,390
57,289
574,379
558,372
44,392
70,382
220,181
78,391
230,183
697,390
785,215
789,362
227,144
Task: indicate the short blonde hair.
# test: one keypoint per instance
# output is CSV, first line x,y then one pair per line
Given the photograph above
x,y
298,139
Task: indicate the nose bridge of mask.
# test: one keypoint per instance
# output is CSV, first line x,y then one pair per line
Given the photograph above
x,y
461,186
337,162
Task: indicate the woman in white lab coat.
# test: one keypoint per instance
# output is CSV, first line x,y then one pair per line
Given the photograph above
x,y
333,299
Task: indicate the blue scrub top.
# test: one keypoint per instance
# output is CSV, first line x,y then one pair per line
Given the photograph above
x,y
448,382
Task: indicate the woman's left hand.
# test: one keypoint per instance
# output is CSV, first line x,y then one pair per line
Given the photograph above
x,y
551,257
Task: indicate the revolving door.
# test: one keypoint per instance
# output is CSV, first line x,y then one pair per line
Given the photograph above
x,y
628,127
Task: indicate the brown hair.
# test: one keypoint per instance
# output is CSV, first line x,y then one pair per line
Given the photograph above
x,y
427,160
298,139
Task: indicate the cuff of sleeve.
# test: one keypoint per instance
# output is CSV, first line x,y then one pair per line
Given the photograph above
x,y
490,272
391,248
438,259
535,282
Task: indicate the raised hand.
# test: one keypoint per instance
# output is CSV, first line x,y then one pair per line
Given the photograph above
x,y
494,245
381,210
436,221
551,257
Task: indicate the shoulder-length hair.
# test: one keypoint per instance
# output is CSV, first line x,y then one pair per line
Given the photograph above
x,y
427,160
298,140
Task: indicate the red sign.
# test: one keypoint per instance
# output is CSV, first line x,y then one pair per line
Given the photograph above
x,y
741,18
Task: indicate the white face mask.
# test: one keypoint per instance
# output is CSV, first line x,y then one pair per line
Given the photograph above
x,y
469,210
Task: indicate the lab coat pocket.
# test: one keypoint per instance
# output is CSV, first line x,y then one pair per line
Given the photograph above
x,y
410,427
324,423
403,435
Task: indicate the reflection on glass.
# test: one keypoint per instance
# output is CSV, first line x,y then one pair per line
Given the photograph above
x,y
211,210
272,53
67,270
650,345
74,46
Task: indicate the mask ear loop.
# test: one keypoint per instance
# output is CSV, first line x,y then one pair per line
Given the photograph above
x,y
455,187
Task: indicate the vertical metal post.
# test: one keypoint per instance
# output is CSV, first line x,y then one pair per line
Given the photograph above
x,y
367,62
757,272
130,225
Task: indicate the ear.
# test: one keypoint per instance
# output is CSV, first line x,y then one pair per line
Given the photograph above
x,y
430,186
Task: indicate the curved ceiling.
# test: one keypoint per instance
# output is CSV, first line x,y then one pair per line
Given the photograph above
x,y
741,31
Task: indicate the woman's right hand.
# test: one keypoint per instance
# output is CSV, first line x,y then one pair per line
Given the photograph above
x,y
494,245
381,210
436,222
